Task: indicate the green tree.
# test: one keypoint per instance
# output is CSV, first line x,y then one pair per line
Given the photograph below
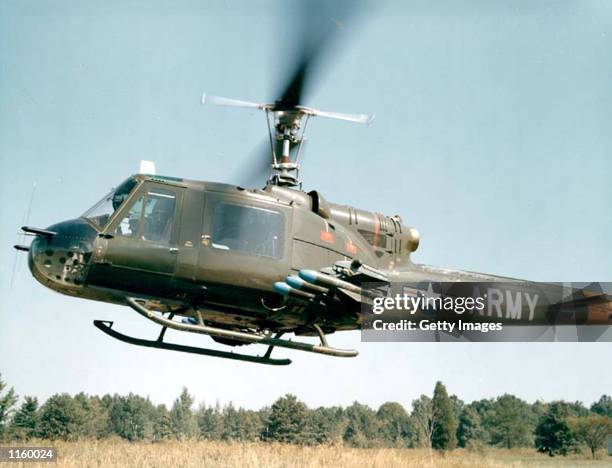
x,y
577,409
24,425
230,423
240,424
287,420
422,421
470,432
553,434
61,417
394,424
458,404
445,422
129,417
509,421
538,409
182,419
603,406
326,426
250,426
592,431
162,424
362,426
210,422
264,414
8,399
95,423
482,407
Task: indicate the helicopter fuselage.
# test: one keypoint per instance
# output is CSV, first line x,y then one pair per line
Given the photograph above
x,y
217,247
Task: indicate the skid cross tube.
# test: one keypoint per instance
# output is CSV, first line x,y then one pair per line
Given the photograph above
x,y
240,336
106,327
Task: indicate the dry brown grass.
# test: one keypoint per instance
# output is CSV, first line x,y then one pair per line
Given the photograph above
x,y
117,453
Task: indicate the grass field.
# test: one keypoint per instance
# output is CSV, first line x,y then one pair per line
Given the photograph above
x,y
116,453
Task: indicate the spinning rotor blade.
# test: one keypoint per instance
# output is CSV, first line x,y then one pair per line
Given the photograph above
x,y
254,172
319,22
315,25
222,101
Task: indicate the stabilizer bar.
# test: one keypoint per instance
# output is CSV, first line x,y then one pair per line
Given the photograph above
x,y
241,336
106,327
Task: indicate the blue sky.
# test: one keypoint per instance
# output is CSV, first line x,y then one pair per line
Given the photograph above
x,y
492,137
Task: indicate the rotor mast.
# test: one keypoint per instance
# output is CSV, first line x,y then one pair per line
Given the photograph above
x,y
287,133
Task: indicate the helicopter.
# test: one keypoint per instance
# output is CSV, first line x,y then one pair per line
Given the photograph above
x,y
241,265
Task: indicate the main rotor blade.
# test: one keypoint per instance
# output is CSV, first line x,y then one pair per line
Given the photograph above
x,y
358,118
256,168
319,22
223,101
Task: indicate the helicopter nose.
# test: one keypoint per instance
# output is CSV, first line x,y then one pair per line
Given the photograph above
x,y
59,255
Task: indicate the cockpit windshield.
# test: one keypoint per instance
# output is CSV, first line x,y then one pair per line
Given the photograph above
x,y
101,212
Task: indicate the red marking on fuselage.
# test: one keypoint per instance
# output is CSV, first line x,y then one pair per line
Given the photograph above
x,y
328,236
351,248
376,229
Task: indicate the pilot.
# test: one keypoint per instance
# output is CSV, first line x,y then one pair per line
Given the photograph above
x,y
158,225
134,224
118,199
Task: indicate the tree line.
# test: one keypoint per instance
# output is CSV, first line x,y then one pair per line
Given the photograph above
x,y
439,422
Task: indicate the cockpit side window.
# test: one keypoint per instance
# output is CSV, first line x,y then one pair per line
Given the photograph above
x,y
129,226
248,229
158,215
150,218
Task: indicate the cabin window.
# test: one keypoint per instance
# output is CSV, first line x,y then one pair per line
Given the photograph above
x,y
150,218
248,229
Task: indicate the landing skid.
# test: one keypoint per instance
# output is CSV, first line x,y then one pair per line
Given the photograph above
x,y
106,327
201,328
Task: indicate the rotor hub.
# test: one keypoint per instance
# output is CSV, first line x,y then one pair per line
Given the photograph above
x,y
286,129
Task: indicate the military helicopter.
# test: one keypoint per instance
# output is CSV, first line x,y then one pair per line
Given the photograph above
x,y
241,265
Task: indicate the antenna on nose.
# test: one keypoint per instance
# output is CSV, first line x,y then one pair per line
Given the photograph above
x,y
21,237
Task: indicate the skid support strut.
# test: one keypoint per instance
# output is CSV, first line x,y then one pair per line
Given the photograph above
x,y
246,337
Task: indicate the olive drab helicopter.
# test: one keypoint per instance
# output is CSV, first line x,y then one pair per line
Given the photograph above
x,y
241,265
